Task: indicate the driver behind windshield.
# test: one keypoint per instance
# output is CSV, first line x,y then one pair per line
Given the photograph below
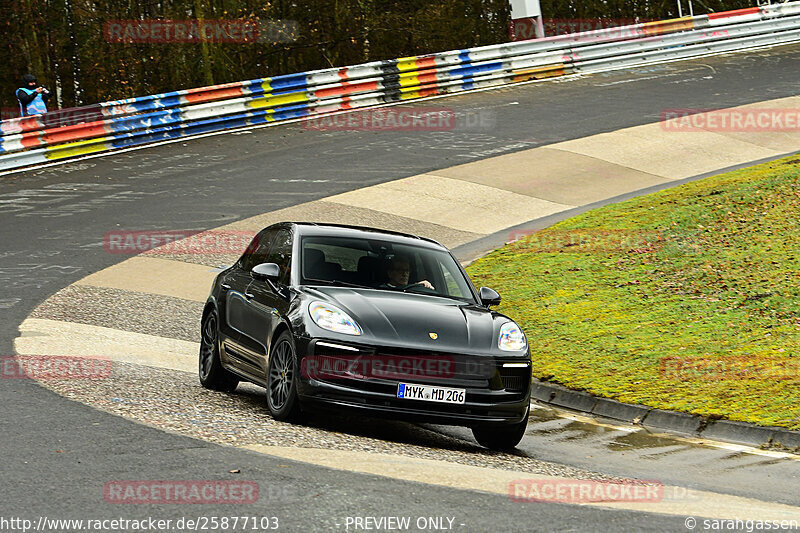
x,y
397,274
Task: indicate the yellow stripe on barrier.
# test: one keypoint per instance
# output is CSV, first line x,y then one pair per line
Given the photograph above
x,y
410,95
76,148
278,100
668,26
419,87
408,81
538,73
266,86
407,63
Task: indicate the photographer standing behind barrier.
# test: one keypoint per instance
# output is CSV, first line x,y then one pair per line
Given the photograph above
x,y
32,97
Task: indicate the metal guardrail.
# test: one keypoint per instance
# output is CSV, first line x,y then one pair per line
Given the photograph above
x,y
124,123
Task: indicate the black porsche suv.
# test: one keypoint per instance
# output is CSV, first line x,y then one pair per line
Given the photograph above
x,y
328,316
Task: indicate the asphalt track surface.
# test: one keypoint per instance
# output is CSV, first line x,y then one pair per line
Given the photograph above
x,y
57,454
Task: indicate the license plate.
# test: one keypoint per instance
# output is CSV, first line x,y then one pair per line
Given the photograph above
x,y
428,393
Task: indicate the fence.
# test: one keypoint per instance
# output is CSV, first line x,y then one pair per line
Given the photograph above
x,y
124,123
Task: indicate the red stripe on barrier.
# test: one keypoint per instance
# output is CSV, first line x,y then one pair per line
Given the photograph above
x,y
75,133
428,92
30,140
343,73
347,88
216,94
734,13
21,125
426,62
427,78
71,116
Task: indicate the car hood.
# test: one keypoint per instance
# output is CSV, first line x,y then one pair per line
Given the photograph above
x,y
425,322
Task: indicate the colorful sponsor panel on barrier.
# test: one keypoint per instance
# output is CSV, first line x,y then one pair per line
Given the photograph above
x,y
178,114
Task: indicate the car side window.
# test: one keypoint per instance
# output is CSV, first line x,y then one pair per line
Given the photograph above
x,y
452,287
258,250
450,275
281,254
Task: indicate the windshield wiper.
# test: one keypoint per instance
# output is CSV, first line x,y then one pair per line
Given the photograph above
x,y
440,295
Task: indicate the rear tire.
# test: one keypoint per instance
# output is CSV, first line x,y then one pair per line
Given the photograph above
x,y
212,375
282,377
501,438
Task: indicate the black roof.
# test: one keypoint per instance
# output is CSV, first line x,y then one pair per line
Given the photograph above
x,y
345,230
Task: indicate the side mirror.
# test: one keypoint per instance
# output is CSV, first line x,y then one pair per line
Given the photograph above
x,y
266,272
489,296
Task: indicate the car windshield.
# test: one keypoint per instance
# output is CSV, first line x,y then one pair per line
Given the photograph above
x,y
383,265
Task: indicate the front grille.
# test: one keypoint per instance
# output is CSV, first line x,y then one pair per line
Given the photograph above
x,y
484,376
515,379
414,366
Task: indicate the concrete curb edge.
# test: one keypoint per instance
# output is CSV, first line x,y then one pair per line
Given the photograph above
x,y
664,420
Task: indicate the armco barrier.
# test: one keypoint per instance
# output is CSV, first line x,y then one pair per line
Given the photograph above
x,y
125,123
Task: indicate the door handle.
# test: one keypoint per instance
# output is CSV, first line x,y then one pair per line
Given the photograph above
x,y
249,296
225,286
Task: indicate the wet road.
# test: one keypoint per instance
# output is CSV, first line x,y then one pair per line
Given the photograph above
x,y
58,454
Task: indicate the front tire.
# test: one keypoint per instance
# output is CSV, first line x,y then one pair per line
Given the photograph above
x,y
212,375
501,438
282,400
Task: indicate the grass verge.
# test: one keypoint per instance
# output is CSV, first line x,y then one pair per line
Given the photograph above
x,y
685,299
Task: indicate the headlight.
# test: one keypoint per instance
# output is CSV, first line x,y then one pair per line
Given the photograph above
x,y
511,338
332,318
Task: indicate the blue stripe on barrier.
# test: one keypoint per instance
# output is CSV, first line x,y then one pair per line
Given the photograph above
x,y
159,118
289,90
291,113
156,103
152,122
289,80
471,70
463,56
134,138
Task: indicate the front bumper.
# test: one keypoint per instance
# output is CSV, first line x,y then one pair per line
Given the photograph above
x,y
495,395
